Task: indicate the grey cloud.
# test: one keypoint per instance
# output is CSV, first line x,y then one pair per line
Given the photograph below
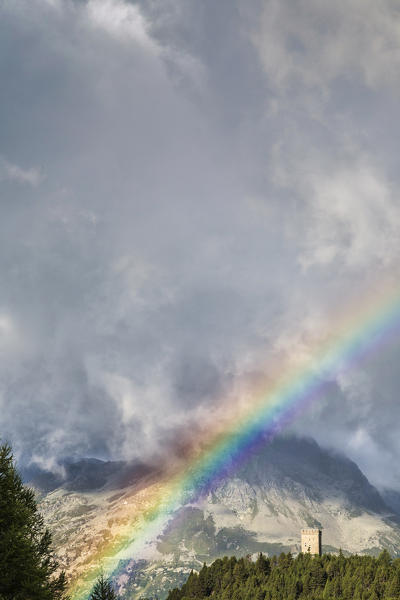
x,y
195,218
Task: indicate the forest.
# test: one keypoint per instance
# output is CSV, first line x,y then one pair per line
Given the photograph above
x,y
305,577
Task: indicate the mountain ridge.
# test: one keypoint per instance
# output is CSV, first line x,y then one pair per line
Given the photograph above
x,y
291,483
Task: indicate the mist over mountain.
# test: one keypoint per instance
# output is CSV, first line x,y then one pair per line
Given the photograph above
x,y
89,474
392,499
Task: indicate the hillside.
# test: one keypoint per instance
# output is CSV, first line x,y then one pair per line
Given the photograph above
x,y
290,484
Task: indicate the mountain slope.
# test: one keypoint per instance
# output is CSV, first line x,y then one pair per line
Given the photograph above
x,y
290,484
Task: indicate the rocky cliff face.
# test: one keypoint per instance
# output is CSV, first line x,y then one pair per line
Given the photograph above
x,y
289,485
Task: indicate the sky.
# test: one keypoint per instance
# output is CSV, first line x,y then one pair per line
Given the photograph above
x,y
188,189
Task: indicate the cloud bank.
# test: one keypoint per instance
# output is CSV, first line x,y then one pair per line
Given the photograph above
x,y
187,189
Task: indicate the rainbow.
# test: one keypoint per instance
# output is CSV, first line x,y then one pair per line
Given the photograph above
x,y
354,336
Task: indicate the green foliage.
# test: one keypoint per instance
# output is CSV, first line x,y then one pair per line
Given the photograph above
x,y
27,563
103,590
305,577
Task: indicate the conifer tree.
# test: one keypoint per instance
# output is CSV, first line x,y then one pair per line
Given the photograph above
x,y
103,590
263,565
27,562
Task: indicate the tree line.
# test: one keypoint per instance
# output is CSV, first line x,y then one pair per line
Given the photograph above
x,y
306,577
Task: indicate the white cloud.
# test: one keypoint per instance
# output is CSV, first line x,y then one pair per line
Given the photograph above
x,y
349,210
12,172
120,19
50,462
354,218
356,385
137,405
310,43
313,54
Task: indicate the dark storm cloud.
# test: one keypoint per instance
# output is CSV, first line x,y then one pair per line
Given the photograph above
x,y
185,186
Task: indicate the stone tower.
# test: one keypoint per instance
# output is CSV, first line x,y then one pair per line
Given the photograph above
x,y
311,541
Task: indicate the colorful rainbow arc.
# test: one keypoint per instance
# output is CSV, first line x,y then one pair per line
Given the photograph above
x,y
363,330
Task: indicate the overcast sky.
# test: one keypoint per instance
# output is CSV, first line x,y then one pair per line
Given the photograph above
x,y
186,188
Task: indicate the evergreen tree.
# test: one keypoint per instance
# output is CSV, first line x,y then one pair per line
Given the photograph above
x,y
329,591
103,590
263,566
27,562
384,558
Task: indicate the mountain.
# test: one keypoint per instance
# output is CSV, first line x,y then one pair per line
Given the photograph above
x,y
88,474
290,484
